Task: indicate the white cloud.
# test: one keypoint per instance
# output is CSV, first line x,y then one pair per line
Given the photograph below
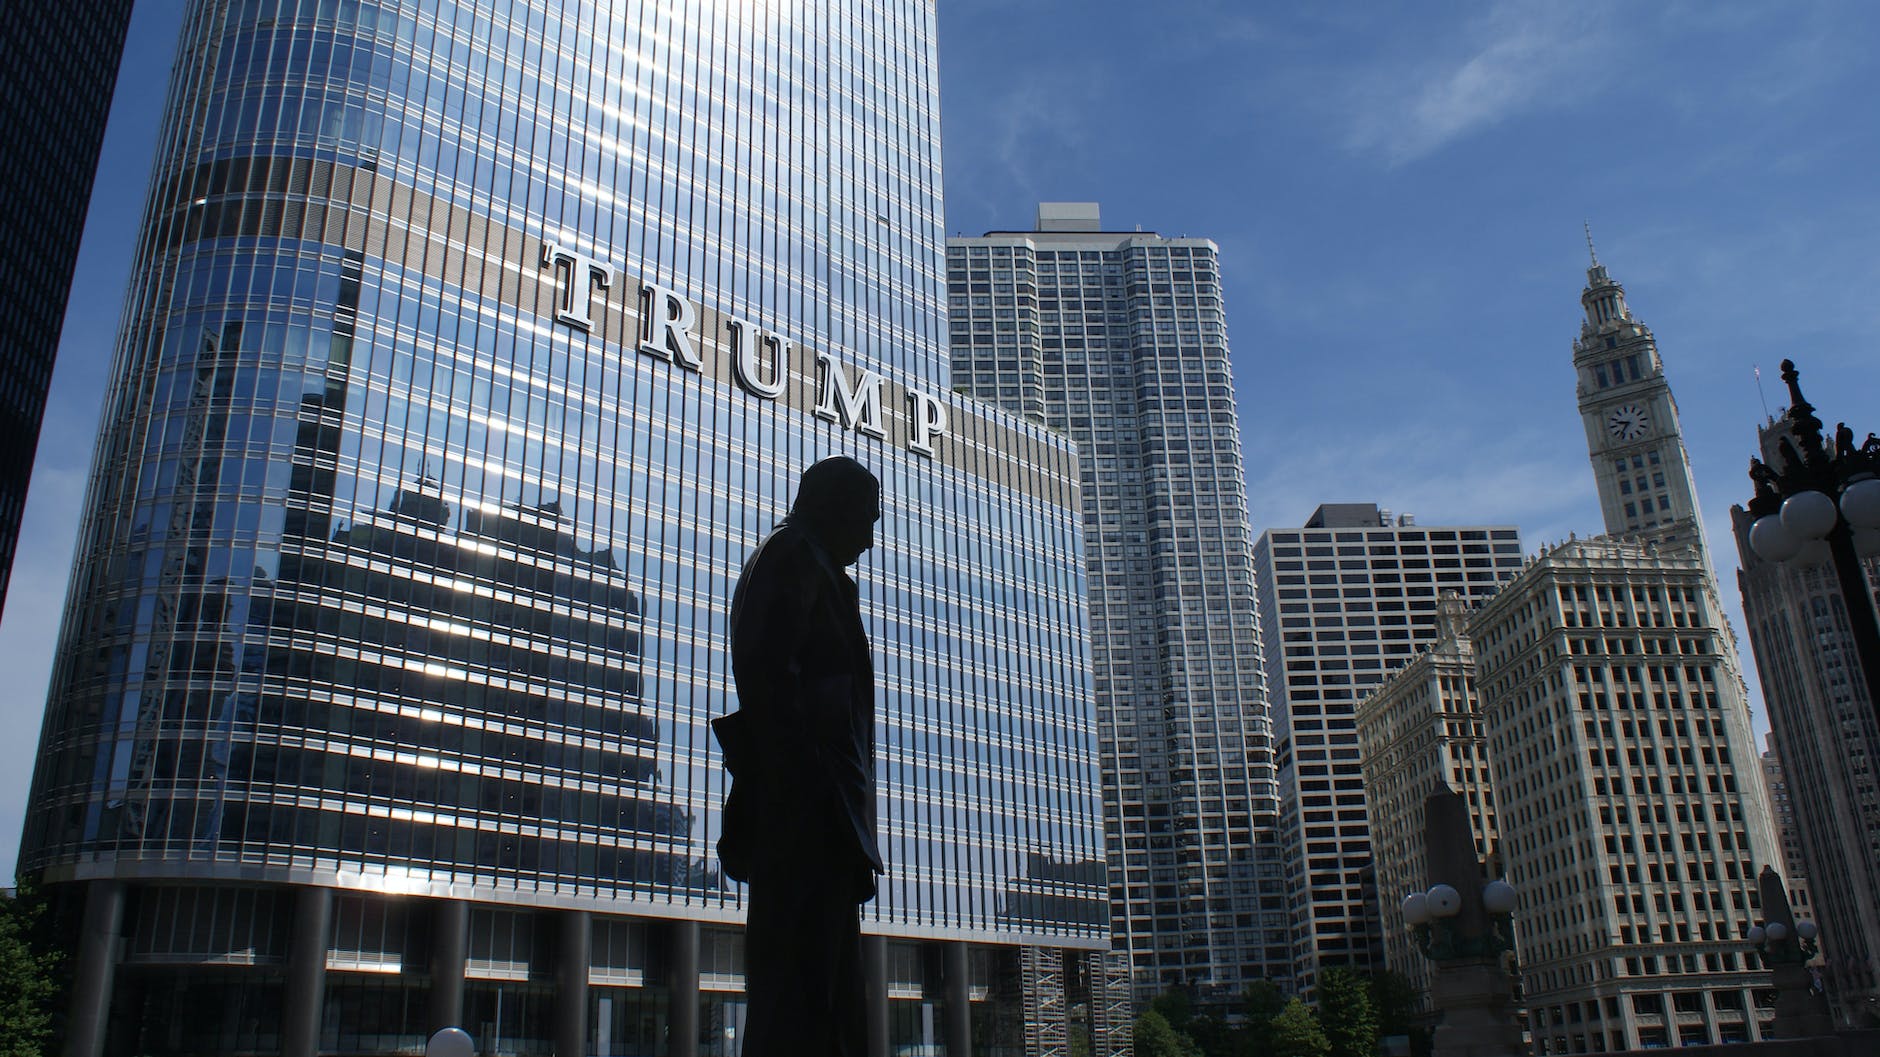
x,y
1521,55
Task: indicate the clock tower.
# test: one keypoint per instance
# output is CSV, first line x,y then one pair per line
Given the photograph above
x,y
1632,431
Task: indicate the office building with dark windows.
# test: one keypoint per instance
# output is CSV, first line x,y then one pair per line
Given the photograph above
x,y
470,348
1118,341
58,65
1344,601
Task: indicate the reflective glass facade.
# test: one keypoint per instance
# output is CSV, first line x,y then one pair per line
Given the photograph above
x,y
470,349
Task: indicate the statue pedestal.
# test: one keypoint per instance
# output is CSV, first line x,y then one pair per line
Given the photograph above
x,y
1800,1014
1476,1000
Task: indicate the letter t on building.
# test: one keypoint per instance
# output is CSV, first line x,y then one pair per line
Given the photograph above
x,y
574,301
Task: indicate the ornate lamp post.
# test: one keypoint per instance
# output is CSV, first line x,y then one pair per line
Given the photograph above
x,y
1786,946
1465,925
1435,919
1819,494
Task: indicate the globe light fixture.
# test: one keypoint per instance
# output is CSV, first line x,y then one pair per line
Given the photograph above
x,y
1807,930
1860,503
1772,540
1756,934
1445,901
1416,908
1776,931
1809,515
1498,897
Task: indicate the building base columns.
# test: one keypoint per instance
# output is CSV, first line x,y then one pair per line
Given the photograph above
x,y
682,986
875,992
94,968
450,934
571,982
305,997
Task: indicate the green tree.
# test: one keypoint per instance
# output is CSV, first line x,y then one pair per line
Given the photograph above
x,y
1261,1003
1155,1038
1346,1015
1395,1000
1212,1036
29,975
1296,1033
1175,1006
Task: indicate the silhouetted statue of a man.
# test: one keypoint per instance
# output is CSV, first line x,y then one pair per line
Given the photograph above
x,y
800,821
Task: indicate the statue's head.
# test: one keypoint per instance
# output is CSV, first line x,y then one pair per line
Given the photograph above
x,y
838,501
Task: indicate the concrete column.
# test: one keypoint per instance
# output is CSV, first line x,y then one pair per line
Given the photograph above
x,y
875,991
305,995
450,949
571,983
957,1029
682,989
94,967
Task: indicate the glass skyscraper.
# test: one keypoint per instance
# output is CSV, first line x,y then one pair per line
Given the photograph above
x,y
58,65
1118,340
470,347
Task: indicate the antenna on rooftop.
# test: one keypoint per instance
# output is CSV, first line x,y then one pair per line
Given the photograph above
x,y
1590,251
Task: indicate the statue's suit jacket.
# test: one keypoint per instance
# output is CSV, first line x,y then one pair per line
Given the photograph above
x,y
801,747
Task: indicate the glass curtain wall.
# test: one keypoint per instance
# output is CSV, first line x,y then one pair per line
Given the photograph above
x,y
429,464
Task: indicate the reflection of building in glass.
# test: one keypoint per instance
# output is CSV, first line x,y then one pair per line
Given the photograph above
x,y
1118,341
440,429
1829,741
1352,595
58,64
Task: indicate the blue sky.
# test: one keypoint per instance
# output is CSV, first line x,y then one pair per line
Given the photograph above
x,y
1398,192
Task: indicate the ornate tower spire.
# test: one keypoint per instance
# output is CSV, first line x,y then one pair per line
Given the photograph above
x,y
1603,299
1632,431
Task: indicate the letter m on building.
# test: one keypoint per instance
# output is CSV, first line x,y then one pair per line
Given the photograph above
x,y
857,408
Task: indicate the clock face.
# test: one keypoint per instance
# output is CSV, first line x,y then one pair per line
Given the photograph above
x,y
1628,423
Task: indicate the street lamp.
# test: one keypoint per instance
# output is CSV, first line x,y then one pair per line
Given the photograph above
x,y
1786,946
1818,495
1464,925
1433,927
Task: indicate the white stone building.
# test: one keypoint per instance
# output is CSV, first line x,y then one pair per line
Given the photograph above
x,y
1633,819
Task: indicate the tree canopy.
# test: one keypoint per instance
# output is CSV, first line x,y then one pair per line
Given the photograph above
x,y
1346,1015
1296,1033
1155,1038
29,976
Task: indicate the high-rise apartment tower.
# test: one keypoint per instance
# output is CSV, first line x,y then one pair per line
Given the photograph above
x,y
1344,601
58,64
470,347
1117,340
